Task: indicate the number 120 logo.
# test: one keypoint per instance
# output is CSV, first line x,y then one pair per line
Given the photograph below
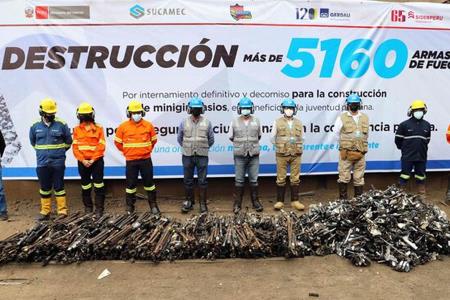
x,y
306,13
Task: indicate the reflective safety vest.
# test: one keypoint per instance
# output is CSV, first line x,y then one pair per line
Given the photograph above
x,y
289,139
246,137
50,142
88,141
135,140
448,134
195,137
354,136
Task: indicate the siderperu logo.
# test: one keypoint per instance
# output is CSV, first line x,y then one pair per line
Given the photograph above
x,y
137,11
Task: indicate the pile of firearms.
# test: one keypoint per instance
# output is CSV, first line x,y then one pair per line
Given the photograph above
x,y
389,227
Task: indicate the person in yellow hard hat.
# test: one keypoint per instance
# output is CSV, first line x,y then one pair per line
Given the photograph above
x,y
51,138
89,148
412,138
136,138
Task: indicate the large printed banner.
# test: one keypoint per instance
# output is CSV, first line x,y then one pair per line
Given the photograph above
x,y
164,52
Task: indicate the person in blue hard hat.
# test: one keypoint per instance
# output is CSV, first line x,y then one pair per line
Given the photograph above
x,y
195,136
245,133
287,136
352,126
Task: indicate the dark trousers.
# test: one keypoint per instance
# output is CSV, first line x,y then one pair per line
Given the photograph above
x,y
51,177
94,173
133,169
190,163
419,171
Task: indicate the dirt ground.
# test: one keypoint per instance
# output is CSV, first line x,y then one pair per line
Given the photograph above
x,y
329,277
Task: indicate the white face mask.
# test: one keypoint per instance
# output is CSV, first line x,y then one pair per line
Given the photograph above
x,y
246,111
136,117
289,112
418,114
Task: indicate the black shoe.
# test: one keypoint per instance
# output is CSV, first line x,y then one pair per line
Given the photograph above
x,y
203,206
88,210
3,217
359,190
188,204
99,205
343,195
255,199
130,200
152,203
238,194
42,218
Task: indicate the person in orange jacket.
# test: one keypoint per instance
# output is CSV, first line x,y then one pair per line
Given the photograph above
x,y
88,149
448,186
136,138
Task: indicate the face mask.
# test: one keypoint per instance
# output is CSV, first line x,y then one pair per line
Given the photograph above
x,y
196,112
418,114
354,107
289,112
136,117
49,118
246,111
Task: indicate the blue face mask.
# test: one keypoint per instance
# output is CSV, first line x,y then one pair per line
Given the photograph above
x,y
136,117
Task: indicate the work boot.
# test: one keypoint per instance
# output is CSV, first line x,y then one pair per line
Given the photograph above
x,y
130,199
295,203
421,191
280,197
188,204
238,194
203,206
255,199
99,204
343,191
42,218
358,190
152,203
87,202
61,205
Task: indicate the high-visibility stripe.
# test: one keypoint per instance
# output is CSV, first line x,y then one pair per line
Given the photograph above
x,y
136,145
86,187
130,191
51,147
102,142
150,188
118,140
87,147
420,177
75,142
404,176
99,185
60,193
45,193
400,136
416,137
154,138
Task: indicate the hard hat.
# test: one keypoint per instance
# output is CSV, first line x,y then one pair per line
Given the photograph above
x,y
353,98
288,103
195,103
418,104
245,103
85,108
48,106
135,106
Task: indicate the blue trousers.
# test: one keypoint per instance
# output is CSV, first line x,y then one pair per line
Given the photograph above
x,y
3,209
190,163
246,165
